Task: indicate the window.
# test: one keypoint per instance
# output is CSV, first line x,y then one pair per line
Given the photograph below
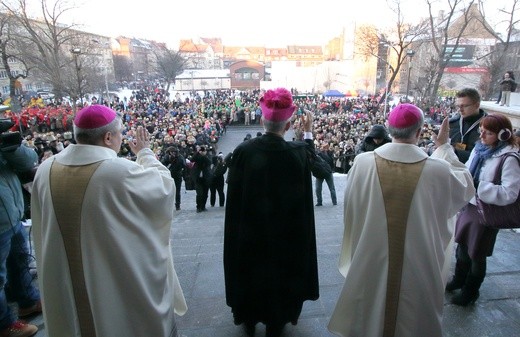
x,y
246,74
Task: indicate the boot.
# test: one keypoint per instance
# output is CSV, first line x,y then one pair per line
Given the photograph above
x,y
459,278
469,293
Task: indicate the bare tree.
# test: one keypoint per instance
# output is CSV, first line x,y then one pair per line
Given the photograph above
x,y
445,36
396,40
497,61
170,64
8,53
48,46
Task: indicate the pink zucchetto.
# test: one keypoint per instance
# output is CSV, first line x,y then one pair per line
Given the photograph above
x,y
277,105
404,115
94,116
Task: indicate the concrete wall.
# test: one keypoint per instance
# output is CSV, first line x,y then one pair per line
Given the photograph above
x,y
513,111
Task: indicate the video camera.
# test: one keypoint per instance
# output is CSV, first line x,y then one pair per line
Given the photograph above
x,y
9,141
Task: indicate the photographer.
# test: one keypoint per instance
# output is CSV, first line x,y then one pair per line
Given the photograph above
x,y
201,174
176,164
218,169
14,264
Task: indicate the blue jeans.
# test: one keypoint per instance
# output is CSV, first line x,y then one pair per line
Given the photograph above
x,y
14,269
332,189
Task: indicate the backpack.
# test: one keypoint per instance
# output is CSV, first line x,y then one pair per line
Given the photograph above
x,y
319,167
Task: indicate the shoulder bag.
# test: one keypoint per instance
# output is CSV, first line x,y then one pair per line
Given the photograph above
x,y
319,167
500,217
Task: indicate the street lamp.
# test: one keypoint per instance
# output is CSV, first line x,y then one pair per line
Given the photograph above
x,y
410,53
387,84
75,53
386,77
105,66
106,82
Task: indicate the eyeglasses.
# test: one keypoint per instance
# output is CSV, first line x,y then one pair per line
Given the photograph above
x,y
463,106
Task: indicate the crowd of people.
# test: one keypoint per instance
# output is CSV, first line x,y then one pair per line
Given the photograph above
x,y
182,124
150,143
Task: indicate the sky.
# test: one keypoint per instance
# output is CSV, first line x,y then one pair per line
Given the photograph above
x,y
272,23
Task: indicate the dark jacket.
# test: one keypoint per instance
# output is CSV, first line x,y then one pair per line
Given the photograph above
x,y
368,144
470,137
21,160
270,260
219,168
508,84
327,157
201,171
176,165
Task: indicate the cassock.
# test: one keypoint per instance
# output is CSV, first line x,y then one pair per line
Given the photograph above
x,y
270,261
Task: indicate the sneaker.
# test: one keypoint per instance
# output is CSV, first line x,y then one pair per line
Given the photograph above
x,y
319,204
36,309
19,329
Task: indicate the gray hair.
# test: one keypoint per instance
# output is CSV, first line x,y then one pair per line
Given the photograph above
x,y
275,127
408,132
94,136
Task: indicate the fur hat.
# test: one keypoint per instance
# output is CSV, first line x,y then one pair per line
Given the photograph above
x,y
277,105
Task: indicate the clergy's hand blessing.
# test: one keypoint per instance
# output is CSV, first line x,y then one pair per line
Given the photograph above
x,y
444,133
140,141
308,119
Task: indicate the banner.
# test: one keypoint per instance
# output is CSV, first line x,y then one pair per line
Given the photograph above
x,y
457,70
462,55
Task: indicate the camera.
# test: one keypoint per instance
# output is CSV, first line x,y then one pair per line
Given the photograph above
x,y
9,141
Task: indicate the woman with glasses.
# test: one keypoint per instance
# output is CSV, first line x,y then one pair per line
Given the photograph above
x,y
475,241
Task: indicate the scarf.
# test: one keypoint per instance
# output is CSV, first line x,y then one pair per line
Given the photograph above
x,y
482,153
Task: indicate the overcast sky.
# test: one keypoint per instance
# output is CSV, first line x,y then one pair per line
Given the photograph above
x,y
272,23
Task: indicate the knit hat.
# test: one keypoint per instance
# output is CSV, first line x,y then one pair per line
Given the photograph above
x,y
277,105
378,131
404,115
94,116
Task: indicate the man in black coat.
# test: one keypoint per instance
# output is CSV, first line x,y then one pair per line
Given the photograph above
x,y
270,260
329,179
377,137
464,128
176,163
201,175
218,169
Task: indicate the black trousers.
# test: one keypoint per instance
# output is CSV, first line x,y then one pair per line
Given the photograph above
x,y
178,183
201,188
217,186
